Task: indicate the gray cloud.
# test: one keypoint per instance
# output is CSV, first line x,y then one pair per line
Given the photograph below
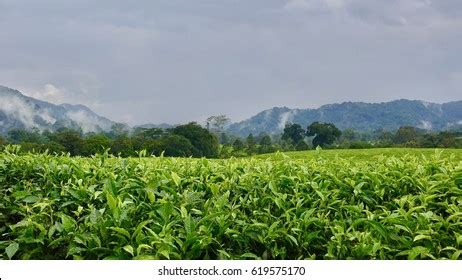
x,y
178,60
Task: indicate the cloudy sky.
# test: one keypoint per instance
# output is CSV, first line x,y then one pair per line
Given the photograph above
x,y
153,61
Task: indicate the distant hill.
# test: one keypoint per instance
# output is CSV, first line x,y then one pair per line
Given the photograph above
x,y
160,125
359,116
23,112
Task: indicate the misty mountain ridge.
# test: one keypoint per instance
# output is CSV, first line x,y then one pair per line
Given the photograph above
x,y
18,111
359,116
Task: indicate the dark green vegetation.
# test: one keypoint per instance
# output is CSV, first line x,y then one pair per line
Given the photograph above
x,y
193,140
181,141
324,206
359,116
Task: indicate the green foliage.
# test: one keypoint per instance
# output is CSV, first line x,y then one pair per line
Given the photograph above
x,y
205,143
71,140
122,145
238,145
321,206
324,133
96,143
301,146
3,142
177,146
405,134
119,129
16,136
265,145
293,133
250,142
155,141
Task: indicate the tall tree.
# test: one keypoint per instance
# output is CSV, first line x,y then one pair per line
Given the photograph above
x,y
265,144
71,140
293,132
218,122
324,133
122,145
405,134
206,143
118,129
17,136
96,143
250,141
238,145
177,146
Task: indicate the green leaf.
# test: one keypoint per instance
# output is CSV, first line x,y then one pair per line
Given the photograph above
x,y
421,236
31,199
129,249
11,250
121,231
176,179
68,222
249,256
293,239
224,254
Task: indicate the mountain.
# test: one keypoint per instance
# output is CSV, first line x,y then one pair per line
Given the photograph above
x,y
358,116
23,112
151,125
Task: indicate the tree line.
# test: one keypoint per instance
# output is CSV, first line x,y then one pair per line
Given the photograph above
x,y
193,140
181,141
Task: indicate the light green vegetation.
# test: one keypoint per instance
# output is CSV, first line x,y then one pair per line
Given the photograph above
x,y
323,206
373,154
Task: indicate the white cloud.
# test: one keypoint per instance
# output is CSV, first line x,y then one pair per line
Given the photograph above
x,y
49,93
425,125
286,118
314,5
17,108
175,61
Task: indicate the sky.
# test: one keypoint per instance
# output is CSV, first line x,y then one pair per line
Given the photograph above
x,y
175,61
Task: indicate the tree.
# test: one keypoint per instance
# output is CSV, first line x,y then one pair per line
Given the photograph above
x,y
265,144
349,134
324,133
177,146
53,147
224,139
250,141
146,138
218,122
447,139
17,136
96,143
205,143
265,140
293,132
71,140
301,146
123,146
118,129
238,145
385,138
2,141
405,134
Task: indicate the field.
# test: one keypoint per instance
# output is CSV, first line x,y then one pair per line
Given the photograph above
x,y
374,154
336,204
